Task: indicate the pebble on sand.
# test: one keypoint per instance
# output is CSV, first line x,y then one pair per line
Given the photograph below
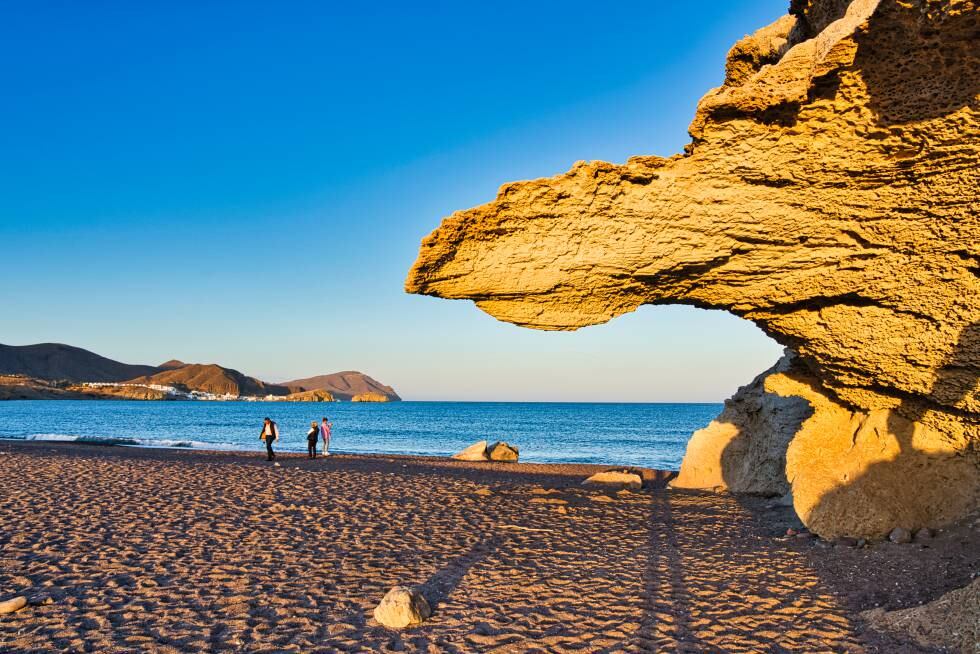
x,y
548,500
900,535
12,605
616,477
402,607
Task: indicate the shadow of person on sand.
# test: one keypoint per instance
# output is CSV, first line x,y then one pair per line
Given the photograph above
x,y
715,582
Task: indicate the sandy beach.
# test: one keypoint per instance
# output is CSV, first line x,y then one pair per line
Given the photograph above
x,y
142,550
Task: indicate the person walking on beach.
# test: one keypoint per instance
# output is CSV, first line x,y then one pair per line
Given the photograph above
x,y
325,428
312,437
269,434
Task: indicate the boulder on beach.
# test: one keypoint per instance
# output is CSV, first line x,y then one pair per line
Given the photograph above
x,y
475,452
619,477
12,605
402,607
501,451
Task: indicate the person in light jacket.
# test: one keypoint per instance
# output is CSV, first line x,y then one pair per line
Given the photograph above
x,y
325,428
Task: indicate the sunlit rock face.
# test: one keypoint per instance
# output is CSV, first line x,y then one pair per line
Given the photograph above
x,y
830,195
851,472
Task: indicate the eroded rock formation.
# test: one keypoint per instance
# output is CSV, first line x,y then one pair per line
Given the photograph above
x,y
830,195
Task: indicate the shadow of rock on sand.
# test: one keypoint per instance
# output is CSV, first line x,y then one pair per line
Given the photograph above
x,y
441,584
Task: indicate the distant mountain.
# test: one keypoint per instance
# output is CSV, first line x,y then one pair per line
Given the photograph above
x,y
209,378
56,361
344,385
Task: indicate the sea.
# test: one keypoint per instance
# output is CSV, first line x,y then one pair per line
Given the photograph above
x,y
649,435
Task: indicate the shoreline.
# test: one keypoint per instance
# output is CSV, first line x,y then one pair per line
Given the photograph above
x,y
718,403
203,446
656,478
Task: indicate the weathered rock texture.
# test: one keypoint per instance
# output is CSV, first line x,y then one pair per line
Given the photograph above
x,y
829,195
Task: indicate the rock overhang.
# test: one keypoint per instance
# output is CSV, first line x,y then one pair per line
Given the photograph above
x,y
823,197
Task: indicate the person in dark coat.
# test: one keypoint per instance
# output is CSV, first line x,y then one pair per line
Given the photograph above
x,y
312,436
269,434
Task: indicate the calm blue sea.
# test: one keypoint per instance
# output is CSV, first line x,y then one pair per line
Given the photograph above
x,y
652,435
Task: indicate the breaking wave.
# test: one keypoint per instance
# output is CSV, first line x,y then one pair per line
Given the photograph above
x,y
128,442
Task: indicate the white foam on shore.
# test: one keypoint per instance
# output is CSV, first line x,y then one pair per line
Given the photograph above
x,y
162,443
48,437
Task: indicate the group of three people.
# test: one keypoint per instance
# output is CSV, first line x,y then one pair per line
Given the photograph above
x,y
270,434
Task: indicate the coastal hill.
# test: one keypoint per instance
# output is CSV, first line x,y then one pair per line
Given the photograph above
x,y
64,362
57,371
346,386
210,378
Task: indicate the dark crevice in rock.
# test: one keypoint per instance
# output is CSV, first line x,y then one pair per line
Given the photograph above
x,y
852,299
783,114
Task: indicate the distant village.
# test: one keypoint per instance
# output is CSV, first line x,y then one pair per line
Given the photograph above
x,y
180,394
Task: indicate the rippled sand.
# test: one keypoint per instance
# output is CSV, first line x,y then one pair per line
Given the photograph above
x,y
176,551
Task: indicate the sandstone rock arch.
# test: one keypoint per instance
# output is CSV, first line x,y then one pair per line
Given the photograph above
x,y
830,195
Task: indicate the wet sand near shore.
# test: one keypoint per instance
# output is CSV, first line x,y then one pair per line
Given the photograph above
x,y
144,550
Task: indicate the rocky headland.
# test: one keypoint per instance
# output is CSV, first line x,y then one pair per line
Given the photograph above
x,y
349,386
829,195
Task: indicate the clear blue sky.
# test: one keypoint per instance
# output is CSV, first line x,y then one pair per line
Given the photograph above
x,y
247,183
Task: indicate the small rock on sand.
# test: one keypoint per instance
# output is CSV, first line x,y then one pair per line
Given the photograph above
x,y
475,452
12,605
501,451
617,477
548,500
900,535
923,535
402,607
